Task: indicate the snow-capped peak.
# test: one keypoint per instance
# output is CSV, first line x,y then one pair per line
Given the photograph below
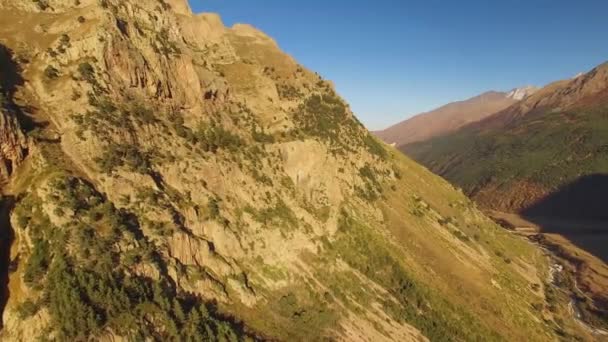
x,y
521,93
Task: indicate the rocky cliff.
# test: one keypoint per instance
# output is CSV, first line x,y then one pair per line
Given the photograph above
x,y
190,181
13,143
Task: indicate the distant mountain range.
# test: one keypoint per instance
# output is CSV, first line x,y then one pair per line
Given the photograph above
x,y
544,158
451,117
513,159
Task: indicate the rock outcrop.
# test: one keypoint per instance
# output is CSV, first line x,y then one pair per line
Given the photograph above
x,y
13,145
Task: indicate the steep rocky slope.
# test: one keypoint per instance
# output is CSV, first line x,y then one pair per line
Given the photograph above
x,y
13,143
451,117
515,159
174,179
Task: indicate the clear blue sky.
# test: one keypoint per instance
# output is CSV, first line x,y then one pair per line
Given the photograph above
x,y
391,59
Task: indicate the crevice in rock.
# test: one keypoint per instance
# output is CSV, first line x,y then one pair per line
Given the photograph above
x,y
6,240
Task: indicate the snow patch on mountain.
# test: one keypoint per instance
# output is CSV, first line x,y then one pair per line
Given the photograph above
x,y
521,93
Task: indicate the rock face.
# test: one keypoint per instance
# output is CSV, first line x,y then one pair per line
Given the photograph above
x,y
448,118
13,145
180,6
190,181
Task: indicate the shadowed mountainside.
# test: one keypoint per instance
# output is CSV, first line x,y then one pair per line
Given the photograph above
x,y
584,199
577,211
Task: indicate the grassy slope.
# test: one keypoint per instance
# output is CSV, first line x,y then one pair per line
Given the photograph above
x,y
449,271
546,151
442,231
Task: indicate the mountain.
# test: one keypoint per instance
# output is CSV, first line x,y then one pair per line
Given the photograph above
x,y
451,117
515,158
169,178
544,158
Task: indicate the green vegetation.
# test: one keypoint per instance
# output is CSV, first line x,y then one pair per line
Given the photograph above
x,y
372,189
27,309
374,147
64,43
326,117
308,318
323,116
87,71
278,215
261,136
550,150
210,137
3,98
116,156
38,263
410,301
51,72
90,287
213,137
43,5
288,92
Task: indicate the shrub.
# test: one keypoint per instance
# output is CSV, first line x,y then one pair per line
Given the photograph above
x,y
213,208
289,92
87,71
51,72
38,262
321,116
262,137
277,215
116,155
64,40
27,309
374,147
43,5
213,137
90,286
372,186
143,114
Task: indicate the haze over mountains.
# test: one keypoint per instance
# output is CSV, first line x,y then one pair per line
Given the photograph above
x,y
451,117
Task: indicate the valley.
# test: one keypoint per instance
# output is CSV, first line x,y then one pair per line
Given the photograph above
x,y
579,247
